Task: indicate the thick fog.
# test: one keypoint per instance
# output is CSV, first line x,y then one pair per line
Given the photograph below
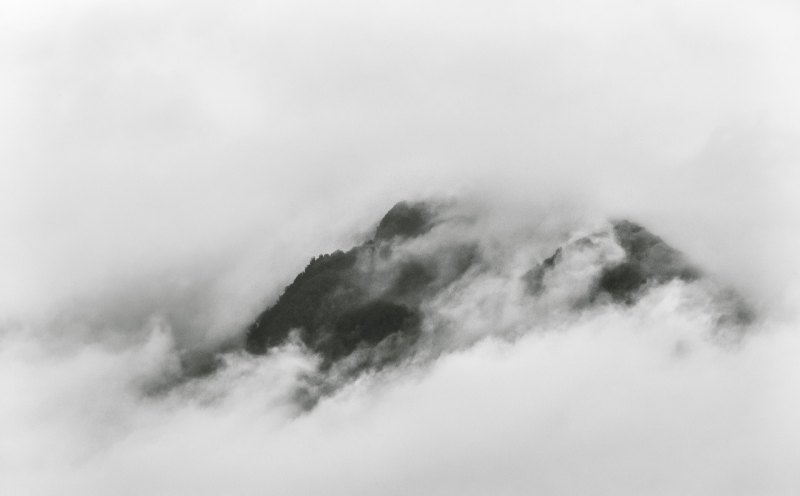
x,y
168,167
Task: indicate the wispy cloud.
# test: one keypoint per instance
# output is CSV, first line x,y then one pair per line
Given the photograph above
x,y
167,167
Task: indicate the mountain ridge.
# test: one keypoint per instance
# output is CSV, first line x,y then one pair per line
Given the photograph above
x,y
367,307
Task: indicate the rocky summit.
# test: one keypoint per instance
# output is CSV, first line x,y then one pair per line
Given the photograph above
x,y
373,304
341,303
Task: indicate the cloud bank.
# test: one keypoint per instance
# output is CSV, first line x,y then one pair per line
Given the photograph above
x,y
168,167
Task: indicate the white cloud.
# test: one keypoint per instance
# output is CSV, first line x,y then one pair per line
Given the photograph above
x,y
167,167
604,405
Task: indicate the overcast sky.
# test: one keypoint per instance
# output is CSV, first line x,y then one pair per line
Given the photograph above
x,y
167,166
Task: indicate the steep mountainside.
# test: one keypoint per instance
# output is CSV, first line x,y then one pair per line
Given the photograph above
x,y
372,305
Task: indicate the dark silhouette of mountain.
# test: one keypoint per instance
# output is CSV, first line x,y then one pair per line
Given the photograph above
x,y
406,220
334,308
364,307
648,259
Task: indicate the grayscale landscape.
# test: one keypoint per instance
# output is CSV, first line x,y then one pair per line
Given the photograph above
x,y
416,248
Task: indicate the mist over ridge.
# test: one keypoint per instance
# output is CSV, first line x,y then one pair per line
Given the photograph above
x,y
432,248
381,303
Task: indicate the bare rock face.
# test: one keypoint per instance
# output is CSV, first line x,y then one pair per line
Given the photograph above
x,y
368,307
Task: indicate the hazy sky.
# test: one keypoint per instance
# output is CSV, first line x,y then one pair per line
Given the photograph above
x,y
167,166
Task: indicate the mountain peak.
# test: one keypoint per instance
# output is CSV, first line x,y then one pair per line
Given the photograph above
x,y
365,308
405,220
